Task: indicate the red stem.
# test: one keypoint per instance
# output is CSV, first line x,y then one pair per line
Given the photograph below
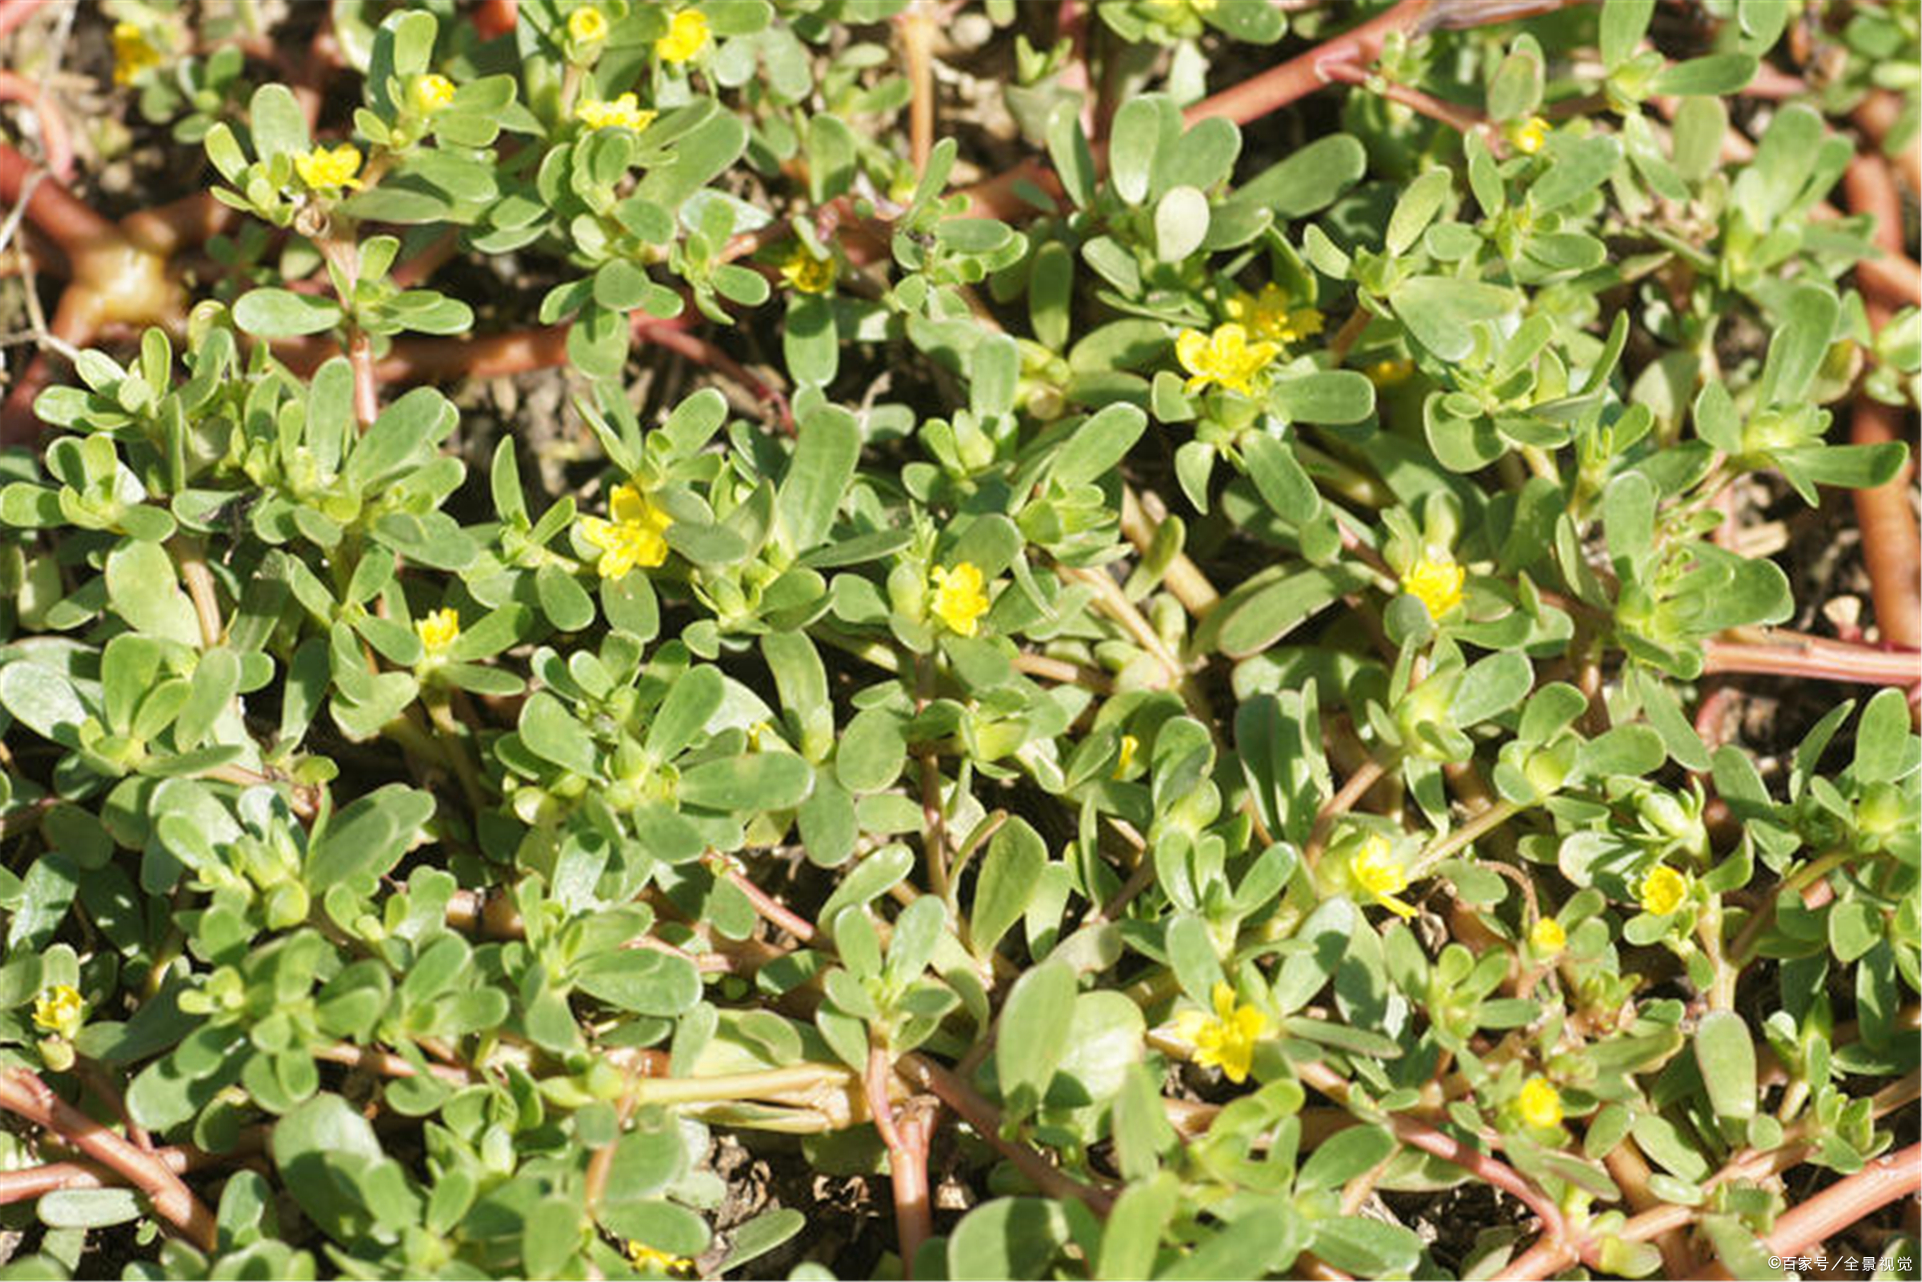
x,y
496,18
24,1093
1841,1204
1815,657
53,126
926,1075
1891,542
15,12
907,1145
72,224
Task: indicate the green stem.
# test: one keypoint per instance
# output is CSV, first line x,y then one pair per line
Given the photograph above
x,y
1487,821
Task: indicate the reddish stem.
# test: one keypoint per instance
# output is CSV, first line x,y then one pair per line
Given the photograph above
x,y
53,126
1816,657
15,12
1891,542
1842,1204
1461,119
387,1064
907,1145
72,224
926,1075
360,357
24,1093
495,18
769,907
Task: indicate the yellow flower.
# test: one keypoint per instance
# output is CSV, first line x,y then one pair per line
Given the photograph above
x,y
686,36
1225,357
809,274
429,93
1129,746
1436,581
1225,1039
1387,373
1380,874
1663,891
133,53
1548,937
1527,136
1541,1103
960,597
1267,315
322,169
587,24
644,1257
59,1010
625,112
633,537
438,631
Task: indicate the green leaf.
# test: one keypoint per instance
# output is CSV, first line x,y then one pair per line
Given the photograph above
x,y
1717,75
1010,873
1181,223
42,699
1252,618
278,125
1336,396
1366,1247
1132,1233
809,340
1068,149
1623,23
366,839
758,781
750,1241
281,313
641,980
552,733
1008,1238
1263,1239
1344,1155
1884,749
1310,179
314,1146
1440,310
1099,445
825,455
1799,344
1419,204
1034,1028
1133,141
1579,166
691,701
88,1208
143,590
656,1223
1725,1053
550,1235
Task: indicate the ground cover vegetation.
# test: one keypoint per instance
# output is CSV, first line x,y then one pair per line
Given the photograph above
x,y
1103,639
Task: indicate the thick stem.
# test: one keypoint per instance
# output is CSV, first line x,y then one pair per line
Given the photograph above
x,y
53,126
387,1064
907,1145
926,1075
23,1093
1815,657
917,29
1836,1207
70,221
1891,542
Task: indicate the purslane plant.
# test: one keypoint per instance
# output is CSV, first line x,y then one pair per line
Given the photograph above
x,y
1172,688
